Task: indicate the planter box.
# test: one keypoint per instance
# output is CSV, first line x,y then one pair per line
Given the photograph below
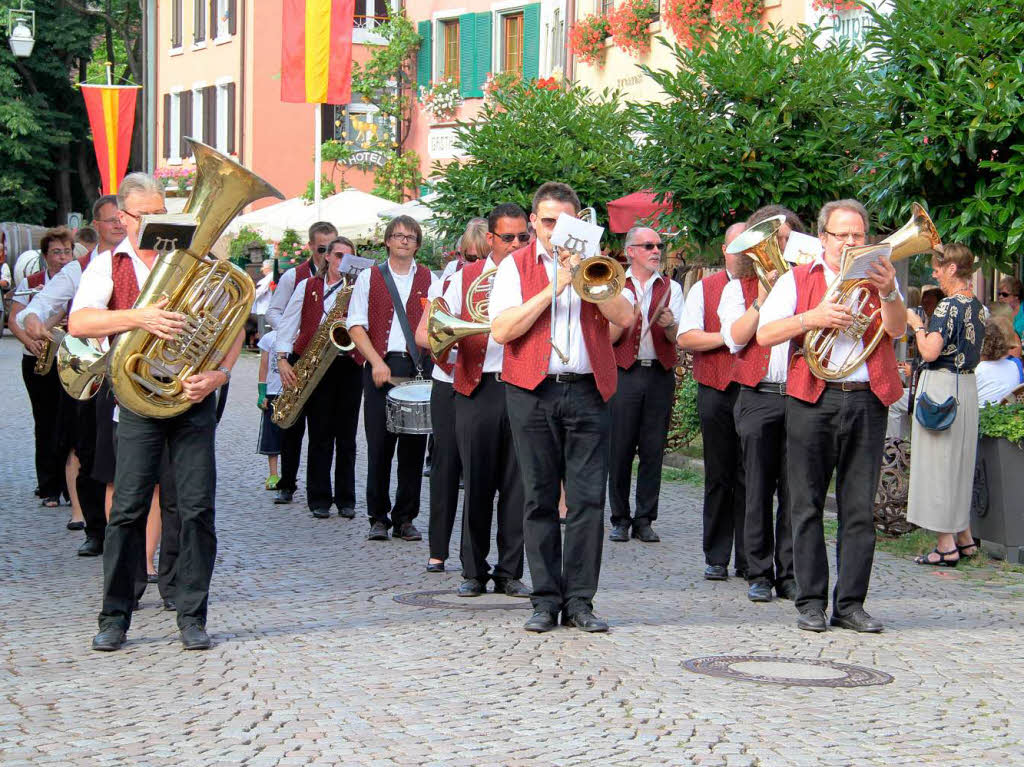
x,y
997,506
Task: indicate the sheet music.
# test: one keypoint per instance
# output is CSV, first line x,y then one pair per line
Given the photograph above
x,y
350,263
858,270
574,234
802,248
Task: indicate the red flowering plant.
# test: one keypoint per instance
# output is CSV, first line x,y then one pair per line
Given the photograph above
x,y
834,7
691,20
587,36
628,21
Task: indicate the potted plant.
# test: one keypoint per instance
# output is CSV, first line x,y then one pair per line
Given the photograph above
x,y
441,99
997,515
628,22
290,250
835,7
586,38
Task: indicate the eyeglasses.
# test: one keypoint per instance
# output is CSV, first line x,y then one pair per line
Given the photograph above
x,y
855,236
646,245
549,222
109,221
506,238
405,239
138,216
60,252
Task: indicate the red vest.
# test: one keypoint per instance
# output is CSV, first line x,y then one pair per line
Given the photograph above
x,y
380,312
36,279
312,313
628,347
448,366
882,375
303,271
469,365
526,358
126,285
713,368
750,365
84,260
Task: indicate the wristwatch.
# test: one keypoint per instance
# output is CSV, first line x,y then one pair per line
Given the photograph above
x,y
225,371
890,297
756,306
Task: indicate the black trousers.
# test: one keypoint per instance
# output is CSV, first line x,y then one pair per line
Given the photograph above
x,y
761,425
485,437
381,447
445,469
561,430
724,488
333,415
291,447
44,393
189,438
91,493
170,530
641,409
843,432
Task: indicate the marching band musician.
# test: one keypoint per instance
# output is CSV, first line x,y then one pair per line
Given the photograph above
x,y
103,307
320,235
760,416
646,356
700,332
384,309
334,403
558,411
483,429
835,425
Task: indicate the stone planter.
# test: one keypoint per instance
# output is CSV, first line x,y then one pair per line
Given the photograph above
x,y
997,506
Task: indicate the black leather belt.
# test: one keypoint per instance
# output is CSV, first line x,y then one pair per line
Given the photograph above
x,y
570,377
495,376
848,385
397,354
767,386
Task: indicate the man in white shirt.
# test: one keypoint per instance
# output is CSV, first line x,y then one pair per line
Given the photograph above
x,y
385,340
836,425
558,411
646,356
264,295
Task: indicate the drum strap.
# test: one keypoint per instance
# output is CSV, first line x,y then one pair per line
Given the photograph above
x,y
403,318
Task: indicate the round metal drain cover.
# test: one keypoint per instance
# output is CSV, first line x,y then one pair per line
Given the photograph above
x,y
449,600
794,672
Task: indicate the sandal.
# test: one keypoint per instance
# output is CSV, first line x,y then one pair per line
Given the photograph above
x,y
52,502
963,550
271,483
942,561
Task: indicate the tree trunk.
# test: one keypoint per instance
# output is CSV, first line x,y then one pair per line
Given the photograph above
x,y
87,172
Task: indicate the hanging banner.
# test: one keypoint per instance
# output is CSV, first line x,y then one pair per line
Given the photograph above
x,y
316,51
111,111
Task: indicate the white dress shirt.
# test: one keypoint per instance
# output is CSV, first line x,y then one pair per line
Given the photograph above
x,y
263,297
507,292
5,273
730,309
54,298
266,343
645,292
358,306
495,354
23,289
291,320
282,295
449,269
97,283
438,373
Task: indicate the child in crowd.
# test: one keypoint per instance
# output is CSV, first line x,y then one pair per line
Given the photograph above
x,y
269,387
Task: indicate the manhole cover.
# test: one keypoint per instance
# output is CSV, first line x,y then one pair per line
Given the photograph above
x,y
448,599
800,672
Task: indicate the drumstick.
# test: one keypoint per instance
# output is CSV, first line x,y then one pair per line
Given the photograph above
x,y
657,310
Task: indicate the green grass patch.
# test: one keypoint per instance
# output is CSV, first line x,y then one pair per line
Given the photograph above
x,y
685,475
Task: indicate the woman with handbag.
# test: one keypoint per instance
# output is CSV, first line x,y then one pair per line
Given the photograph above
x,y
945,431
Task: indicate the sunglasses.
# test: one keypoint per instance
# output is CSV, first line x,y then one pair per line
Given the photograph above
x,y
1004,294
522,237
321,249
647,245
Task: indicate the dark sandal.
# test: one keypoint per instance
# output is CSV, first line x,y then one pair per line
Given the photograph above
x,y
972,555
940,562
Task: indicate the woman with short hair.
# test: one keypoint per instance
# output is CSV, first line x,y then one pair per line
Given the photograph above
x,y
998,373
1010,293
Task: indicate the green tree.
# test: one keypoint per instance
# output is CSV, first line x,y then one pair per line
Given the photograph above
x,y
751,118
528,134
949,131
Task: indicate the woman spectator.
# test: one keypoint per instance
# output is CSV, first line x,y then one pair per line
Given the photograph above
x,y
1005,325
998,373
942,462
1010,293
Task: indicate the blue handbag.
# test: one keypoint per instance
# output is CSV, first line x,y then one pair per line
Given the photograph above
x,y
938,416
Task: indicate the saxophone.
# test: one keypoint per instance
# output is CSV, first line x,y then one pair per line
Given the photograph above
x,y
330,339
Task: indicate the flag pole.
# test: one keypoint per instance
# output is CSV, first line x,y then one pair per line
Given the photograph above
x,y
318,140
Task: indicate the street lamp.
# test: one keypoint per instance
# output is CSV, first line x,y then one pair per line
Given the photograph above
x,y
22,26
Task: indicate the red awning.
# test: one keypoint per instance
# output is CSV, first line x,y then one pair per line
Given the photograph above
x,y
625,212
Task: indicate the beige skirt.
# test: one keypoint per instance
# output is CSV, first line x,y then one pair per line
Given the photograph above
x,y
942,462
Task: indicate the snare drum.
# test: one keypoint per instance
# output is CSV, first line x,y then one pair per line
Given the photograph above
x,y
408,408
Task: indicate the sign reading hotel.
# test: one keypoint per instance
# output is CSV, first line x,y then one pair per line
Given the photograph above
x,y
443,144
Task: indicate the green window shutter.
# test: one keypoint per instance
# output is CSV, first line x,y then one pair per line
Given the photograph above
x,y
482,53
531,42
467,79
423,58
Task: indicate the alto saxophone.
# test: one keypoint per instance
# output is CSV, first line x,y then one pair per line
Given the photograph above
x,y
330,339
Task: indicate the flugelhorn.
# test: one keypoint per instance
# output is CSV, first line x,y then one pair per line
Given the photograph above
x,y
761,243
916,236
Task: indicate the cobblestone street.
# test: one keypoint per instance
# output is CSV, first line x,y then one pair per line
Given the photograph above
x,y
315,661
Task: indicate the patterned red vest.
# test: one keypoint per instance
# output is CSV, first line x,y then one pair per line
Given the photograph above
x,y
469,365
526,358
84,260
628,347
126,285
713,368
448,366
882,375
312,313
750,365
380,312
303,271
36,279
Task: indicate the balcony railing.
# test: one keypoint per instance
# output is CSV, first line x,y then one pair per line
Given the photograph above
x,y
368,22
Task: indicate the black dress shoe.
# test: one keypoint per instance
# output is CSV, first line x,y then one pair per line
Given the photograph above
x,y
760,591
858,620
283,496
471,587
511,587
541,621
92,547
320,513
407,532
585,620
170,606
435,567
194,637
786,590
741,572
812,619
716,573
347,512
109,639
619,533
645,534
378,532
75,525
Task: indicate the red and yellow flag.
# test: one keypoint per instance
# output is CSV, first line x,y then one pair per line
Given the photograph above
x,y
111,111
316,51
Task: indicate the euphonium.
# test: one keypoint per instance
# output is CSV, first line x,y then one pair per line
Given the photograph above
x,y
330,339
761,243
916,236
444,329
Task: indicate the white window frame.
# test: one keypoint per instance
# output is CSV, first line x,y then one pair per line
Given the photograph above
x,y
222,114
223,31
435,20
552,54
498,12
181,47
368,36
175,124
197,110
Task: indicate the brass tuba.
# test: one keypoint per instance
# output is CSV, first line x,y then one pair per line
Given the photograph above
x,y
761,243
916,236
444,329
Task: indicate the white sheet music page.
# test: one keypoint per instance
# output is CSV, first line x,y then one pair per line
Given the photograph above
x,y
577,235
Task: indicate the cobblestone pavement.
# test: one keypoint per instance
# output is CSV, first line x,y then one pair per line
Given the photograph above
x,y
316,663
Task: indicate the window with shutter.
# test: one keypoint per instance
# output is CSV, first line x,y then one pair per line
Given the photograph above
x,y
198,115
450,54
176,22
199,21
210,115
531,42
231,118
185,121
482,52
512,42
423,59
173,118
167,125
